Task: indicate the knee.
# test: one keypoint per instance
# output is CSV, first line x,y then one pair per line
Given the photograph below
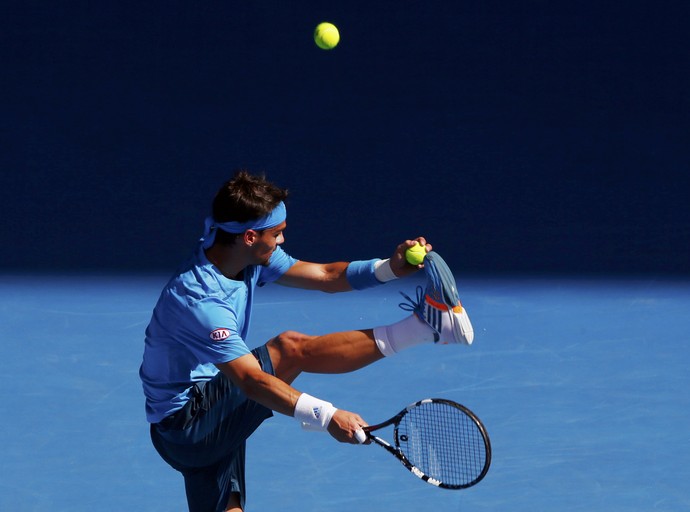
x,y
288,350
289,345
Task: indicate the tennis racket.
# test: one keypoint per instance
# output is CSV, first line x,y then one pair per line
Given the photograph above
x,y
439,441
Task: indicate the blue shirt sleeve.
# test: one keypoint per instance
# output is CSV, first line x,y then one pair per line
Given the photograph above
x,y
213,332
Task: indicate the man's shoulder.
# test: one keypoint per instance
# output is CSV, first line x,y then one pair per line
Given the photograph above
x,y
193,302
201,285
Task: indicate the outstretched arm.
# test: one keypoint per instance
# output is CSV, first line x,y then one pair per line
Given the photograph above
x,y
259,386
332,277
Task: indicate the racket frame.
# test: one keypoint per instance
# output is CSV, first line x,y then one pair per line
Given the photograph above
x,y
400,455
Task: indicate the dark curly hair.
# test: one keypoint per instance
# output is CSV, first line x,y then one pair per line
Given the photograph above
x,y
244,197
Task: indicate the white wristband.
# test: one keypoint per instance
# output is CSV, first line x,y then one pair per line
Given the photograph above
x,y
312,413
383,271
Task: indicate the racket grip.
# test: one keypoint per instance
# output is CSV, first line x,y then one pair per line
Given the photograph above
x,y
361,436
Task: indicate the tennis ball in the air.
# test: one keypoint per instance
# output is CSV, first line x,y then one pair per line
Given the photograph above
x,y
415,254
326,36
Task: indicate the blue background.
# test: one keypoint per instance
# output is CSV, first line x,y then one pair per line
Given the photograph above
x,y
531,137
582,386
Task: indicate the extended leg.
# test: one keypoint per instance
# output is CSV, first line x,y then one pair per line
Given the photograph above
x,y
293,353
341,352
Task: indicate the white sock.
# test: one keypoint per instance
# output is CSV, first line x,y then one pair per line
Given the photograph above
x,y
391,339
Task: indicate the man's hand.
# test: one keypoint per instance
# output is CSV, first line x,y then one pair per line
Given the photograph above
x,y
344,424
399,264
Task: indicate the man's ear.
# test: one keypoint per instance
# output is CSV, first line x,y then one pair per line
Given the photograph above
x,y
250,236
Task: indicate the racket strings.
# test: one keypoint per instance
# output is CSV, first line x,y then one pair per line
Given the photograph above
x,y
443,442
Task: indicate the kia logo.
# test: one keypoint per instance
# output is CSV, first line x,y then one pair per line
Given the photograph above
x,y
220,334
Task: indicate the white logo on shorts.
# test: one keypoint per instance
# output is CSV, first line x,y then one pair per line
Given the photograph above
x,y
220,334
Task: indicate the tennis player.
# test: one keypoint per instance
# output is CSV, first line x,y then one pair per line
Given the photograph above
x,y
206,391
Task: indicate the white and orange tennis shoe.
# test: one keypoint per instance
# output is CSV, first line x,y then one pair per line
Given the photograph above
x,y
439,305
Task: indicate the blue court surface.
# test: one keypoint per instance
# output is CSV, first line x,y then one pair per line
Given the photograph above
x,y
582,385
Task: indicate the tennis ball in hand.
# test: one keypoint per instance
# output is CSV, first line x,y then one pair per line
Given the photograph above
x,y
415,254
326,36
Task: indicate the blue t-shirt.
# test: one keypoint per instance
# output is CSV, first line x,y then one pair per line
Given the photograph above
x,y
201,319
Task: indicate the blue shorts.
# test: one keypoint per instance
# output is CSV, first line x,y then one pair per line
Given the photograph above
x,y
205,440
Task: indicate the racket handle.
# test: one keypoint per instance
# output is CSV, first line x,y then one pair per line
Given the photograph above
x,y
361,436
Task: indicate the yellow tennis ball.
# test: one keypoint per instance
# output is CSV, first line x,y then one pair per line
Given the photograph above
x,y
326,36
415,254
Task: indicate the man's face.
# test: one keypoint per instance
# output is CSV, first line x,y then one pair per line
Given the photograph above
x,y
266,243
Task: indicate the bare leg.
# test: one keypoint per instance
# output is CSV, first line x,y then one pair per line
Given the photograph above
x,y
340,352
234,503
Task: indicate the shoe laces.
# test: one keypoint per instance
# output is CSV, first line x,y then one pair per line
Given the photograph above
x,y
417,308
411,305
